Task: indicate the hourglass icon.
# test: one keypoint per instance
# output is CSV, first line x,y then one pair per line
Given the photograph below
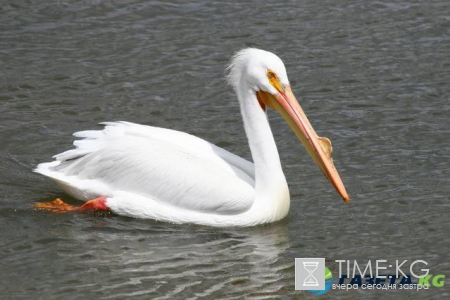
x,y
310,280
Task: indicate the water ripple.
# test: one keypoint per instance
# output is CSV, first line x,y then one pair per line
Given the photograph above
x,y
372,76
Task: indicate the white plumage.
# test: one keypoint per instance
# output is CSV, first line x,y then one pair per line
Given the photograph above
x,y
126,156
167,175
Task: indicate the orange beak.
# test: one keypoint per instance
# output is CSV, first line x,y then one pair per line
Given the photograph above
x,y
318,147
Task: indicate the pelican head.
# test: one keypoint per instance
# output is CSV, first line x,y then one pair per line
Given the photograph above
x,y
257,69
264,74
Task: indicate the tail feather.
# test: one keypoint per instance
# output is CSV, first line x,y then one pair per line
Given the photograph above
x,y
91,141
89,134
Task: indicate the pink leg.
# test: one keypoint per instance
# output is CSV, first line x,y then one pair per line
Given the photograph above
x,y
95,204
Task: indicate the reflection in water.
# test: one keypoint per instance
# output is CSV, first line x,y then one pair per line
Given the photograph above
x,y
115,258
159,259
372,76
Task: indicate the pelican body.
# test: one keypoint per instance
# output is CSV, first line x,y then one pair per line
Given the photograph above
x,y
166,175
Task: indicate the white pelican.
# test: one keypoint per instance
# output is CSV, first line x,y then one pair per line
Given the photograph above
x,y
149,172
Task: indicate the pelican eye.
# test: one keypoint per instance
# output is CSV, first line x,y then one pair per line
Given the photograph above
x,y
274,80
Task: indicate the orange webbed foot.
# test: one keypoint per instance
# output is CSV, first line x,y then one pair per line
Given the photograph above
x,y
56,206
59,206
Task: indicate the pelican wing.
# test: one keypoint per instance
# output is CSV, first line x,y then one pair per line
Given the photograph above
x,y
163,165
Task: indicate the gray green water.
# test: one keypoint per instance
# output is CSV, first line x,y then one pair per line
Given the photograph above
x,y
372,75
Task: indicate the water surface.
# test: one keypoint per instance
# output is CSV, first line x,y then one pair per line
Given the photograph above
x,y
373,76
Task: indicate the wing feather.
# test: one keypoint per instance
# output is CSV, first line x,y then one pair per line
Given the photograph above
x,y
168,166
